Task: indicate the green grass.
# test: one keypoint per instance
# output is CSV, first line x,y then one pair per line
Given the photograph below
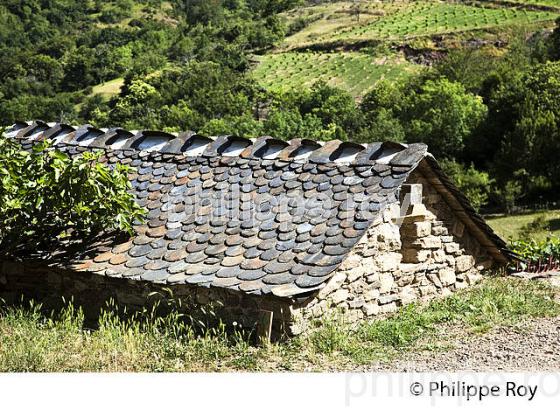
x,y
536,225
353,71
108,89
32,341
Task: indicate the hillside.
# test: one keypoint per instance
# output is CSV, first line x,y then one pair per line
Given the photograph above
x,y
353,45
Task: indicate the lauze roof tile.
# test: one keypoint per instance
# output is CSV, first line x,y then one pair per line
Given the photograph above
x,y
261,217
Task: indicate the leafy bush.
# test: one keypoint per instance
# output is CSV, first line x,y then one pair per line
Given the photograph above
x,y
45,195
533,251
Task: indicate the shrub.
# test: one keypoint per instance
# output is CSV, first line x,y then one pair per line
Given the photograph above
x,y
45,195
538,255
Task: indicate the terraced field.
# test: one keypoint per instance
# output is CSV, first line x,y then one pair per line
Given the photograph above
x,y
547,3
434,18
338,27
353,71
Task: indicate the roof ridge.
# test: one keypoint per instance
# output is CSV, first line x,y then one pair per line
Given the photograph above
x,y
191,144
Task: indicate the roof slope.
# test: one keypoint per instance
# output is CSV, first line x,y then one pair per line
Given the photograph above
x,y
262,217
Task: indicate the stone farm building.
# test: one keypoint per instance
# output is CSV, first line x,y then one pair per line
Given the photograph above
x,y
275,233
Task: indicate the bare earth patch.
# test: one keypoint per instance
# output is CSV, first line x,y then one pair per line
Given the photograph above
x,y
533,345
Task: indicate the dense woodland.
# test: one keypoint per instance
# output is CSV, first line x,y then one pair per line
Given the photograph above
x,y
493,119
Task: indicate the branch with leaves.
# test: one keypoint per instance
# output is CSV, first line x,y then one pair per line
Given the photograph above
x,y
46,195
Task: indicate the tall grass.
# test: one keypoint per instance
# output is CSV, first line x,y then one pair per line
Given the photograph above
x,y
31,340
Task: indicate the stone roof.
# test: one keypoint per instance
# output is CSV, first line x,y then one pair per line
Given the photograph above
x,y
260,216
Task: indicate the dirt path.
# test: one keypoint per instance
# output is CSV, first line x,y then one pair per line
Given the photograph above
x,y
531,346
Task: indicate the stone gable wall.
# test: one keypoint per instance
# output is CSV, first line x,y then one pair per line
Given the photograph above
x,y
430,254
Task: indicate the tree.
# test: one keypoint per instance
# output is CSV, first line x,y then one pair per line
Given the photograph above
x,y
554,42
380,108
46,195
531,130
443,115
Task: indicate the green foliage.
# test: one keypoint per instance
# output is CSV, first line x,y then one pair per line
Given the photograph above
x,y
381,107
473,183
443,115
45,195
554,44
532,132
469,67
534,251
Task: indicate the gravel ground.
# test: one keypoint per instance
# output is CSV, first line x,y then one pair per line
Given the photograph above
x,y
531,346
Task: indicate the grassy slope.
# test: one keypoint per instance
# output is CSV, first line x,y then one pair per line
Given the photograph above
x,y
108,89
513,226
353,71
394,22
30,341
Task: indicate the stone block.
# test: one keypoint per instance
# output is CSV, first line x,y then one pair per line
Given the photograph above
x,y
446,292
451,247
352,261
358,286
386,281
356,303
407,295
439,230
370,309
355,274
461,285
404,279
383,300
340,296
428,242
413,230
411,194
389,261
427,290
388,308
333,284
372,278
464,263
447,276
473,277
439,255
371,294
415,255
388,237
434,278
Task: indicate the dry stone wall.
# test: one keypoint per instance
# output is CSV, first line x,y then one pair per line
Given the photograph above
x,y
92,291
426,253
